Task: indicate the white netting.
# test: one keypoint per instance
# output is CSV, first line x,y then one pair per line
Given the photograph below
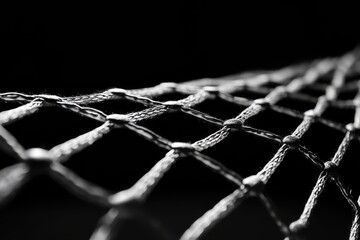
x,y
289,82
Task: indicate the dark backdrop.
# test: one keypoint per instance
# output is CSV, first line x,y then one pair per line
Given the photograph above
x,y
81,48
74,48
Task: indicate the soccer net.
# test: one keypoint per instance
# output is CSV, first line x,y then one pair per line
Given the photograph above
x,y
333,76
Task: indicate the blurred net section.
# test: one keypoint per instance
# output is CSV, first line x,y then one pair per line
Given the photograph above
x,y
293,82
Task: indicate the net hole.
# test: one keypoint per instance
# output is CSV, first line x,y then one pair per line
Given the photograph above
x,y
352,77
220,108
340,115
326,78
122,106
322,140
291,185
252,93
50,126
271,85
295,104
179,127
275,122
349,94
314,90
189,187
349,168
242,152
109,160
332,215
170,97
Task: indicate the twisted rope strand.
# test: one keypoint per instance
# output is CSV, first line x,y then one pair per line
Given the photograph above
x,y
289,82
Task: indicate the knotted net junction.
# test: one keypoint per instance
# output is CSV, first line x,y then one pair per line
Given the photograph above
x,y
289,82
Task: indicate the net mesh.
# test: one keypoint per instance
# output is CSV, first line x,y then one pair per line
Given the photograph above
x,y
288,84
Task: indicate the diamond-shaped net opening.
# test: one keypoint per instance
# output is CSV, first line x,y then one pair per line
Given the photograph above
x,y
244,148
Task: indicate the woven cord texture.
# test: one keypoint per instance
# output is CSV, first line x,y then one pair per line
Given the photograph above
x,y
289,81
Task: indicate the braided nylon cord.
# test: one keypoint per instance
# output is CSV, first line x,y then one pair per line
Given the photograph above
x,y
290,81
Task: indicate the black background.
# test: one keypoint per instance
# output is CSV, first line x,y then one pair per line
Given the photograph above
x,y
81,48
85,47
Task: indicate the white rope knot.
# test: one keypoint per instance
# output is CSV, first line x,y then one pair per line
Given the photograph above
x,y
118,118
292,141
254,183
169,85
352,128
211,89
49,98
262,102
298,228
117,91
182,146
38,158
173,105
234,124
330,167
